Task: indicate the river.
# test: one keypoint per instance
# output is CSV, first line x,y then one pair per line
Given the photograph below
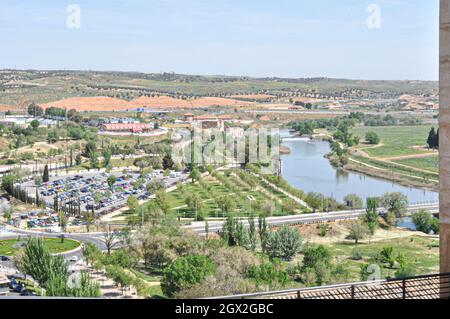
x,y
306,168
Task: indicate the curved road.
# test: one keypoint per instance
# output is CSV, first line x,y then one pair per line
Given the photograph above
x,y
216,226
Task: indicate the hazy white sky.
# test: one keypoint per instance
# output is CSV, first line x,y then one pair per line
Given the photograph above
x,y
290,38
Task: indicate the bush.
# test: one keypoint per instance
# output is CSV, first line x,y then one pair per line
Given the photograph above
x,y
270,274
323,229
372,138
405,271
316,255
284,243
423,221
356,254
386,256
185,272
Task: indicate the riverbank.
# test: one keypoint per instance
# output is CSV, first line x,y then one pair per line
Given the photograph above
x,y
405,175
308,168
391,175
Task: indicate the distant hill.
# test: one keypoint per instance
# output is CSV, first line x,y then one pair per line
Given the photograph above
x,y
171,89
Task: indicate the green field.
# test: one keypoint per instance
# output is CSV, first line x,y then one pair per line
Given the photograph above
x,y
421,252
396,140
10,246
430,163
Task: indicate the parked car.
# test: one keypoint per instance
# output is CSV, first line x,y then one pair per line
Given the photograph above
x,y
27,292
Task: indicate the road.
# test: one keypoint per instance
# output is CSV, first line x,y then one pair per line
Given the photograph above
x,y
199,227
94,238
216,226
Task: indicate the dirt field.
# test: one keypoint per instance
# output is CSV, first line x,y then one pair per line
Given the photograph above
x,y
99,103
103,103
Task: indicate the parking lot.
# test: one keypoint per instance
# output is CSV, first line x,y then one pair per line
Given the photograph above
x,y
92,191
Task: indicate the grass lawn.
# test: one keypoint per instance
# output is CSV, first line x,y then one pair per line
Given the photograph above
x,y
11,246
176,199
396,140
430,163
421,252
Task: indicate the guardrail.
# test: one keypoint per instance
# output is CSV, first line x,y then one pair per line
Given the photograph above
x,y
435,286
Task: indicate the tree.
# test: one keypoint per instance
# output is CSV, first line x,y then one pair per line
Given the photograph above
x,y
45,175
89,218
78,159
372,138
194,203
195,175
133,204
353,201
435,225
107,154
432,138
436,144
93,156
34,124
167,162
370,272
110,238
185,272
162,201
89,148
317,265
283,244
111,180
395,203
7,214
51,272
371,216
262,226
315,201
357,231
252,234
91,253
387,256
423,221
226,204
35,110
154,185
8,182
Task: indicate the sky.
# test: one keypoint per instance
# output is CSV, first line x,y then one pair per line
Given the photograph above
x,y
284,38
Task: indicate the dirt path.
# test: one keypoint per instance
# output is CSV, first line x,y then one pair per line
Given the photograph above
x,y
396,158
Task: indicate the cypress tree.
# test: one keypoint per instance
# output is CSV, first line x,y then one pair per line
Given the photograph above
x,y
431,138
436,143
45,176
37,197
